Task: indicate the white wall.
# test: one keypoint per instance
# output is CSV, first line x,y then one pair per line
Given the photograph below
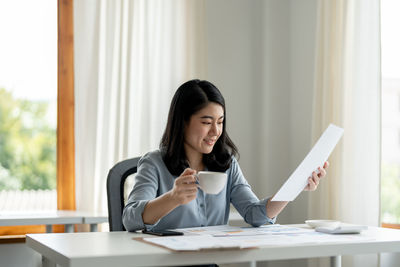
x,y
261,56
234,31
248,60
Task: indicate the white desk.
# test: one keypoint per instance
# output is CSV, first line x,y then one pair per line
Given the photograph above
x,y
94,219
119,249
64,217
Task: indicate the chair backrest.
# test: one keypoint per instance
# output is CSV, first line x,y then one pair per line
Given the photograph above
x,y
115,191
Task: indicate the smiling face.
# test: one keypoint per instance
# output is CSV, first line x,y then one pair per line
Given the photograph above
x,y
203,130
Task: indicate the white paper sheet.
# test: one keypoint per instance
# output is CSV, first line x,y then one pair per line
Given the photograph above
x,y
273,235
227,230
315,158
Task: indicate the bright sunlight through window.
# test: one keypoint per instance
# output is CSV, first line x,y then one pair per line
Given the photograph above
x,y
390,184
28,104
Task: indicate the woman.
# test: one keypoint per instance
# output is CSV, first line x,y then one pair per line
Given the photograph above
x,y
166,196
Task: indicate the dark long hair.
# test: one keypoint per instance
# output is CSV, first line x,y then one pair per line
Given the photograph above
x,y
191,97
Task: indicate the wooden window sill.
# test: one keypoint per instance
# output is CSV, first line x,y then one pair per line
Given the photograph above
x,y
12,239
391,225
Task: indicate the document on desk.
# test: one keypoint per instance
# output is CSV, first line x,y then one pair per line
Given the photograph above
x,y
229,237
315,158
230,231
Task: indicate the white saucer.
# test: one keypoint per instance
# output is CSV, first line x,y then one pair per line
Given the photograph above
x,y
323,223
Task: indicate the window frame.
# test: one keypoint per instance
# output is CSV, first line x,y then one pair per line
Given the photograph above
x,y
65,108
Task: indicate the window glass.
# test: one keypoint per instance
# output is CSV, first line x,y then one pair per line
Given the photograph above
x,y
390,183
28,104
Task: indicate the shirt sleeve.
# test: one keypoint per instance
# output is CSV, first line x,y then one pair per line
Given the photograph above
x,y
144,190
245,201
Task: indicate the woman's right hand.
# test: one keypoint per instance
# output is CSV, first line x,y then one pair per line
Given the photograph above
x,y
183,191
185,187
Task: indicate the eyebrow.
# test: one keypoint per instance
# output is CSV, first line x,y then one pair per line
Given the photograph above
x,y
210,117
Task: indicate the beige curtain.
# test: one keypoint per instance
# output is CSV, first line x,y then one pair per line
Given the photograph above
x,y
347,93
130,57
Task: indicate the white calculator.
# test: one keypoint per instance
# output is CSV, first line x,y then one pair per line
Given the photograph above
x,y
342,229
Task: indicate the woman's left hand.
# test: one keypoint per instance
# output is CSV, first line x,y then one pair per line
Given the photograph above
x,y
313,181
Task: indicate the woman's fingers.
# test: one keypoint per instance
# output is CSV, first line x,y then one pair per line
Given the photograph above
x,y
322,172
185,187
188,179
314,180
326,165
188,171
186,184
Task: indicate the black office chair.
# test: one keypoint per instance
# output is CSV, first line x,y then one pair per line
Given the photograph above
x,y
115,191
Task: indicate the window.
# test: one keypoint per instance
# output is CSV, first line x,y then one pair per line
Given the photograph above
x,y
65,110
390,184
28,105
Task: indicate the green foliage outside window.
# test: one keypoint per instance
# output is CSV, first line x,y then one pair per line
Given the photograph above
x,y
27,144
390,193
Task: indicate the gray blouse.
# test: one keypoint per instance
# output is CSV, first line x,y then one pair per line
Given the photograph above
x,y
153,179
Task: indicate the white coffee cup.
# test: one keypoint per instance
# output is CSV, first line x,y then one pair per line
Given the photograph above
x,y
211,182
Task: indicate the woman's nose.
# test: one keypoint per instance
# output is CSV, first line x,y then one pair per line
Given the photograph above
x,y
214,129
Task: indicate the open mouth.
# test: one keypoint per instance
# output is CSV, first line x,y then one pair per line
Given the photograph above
x,y
210,142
